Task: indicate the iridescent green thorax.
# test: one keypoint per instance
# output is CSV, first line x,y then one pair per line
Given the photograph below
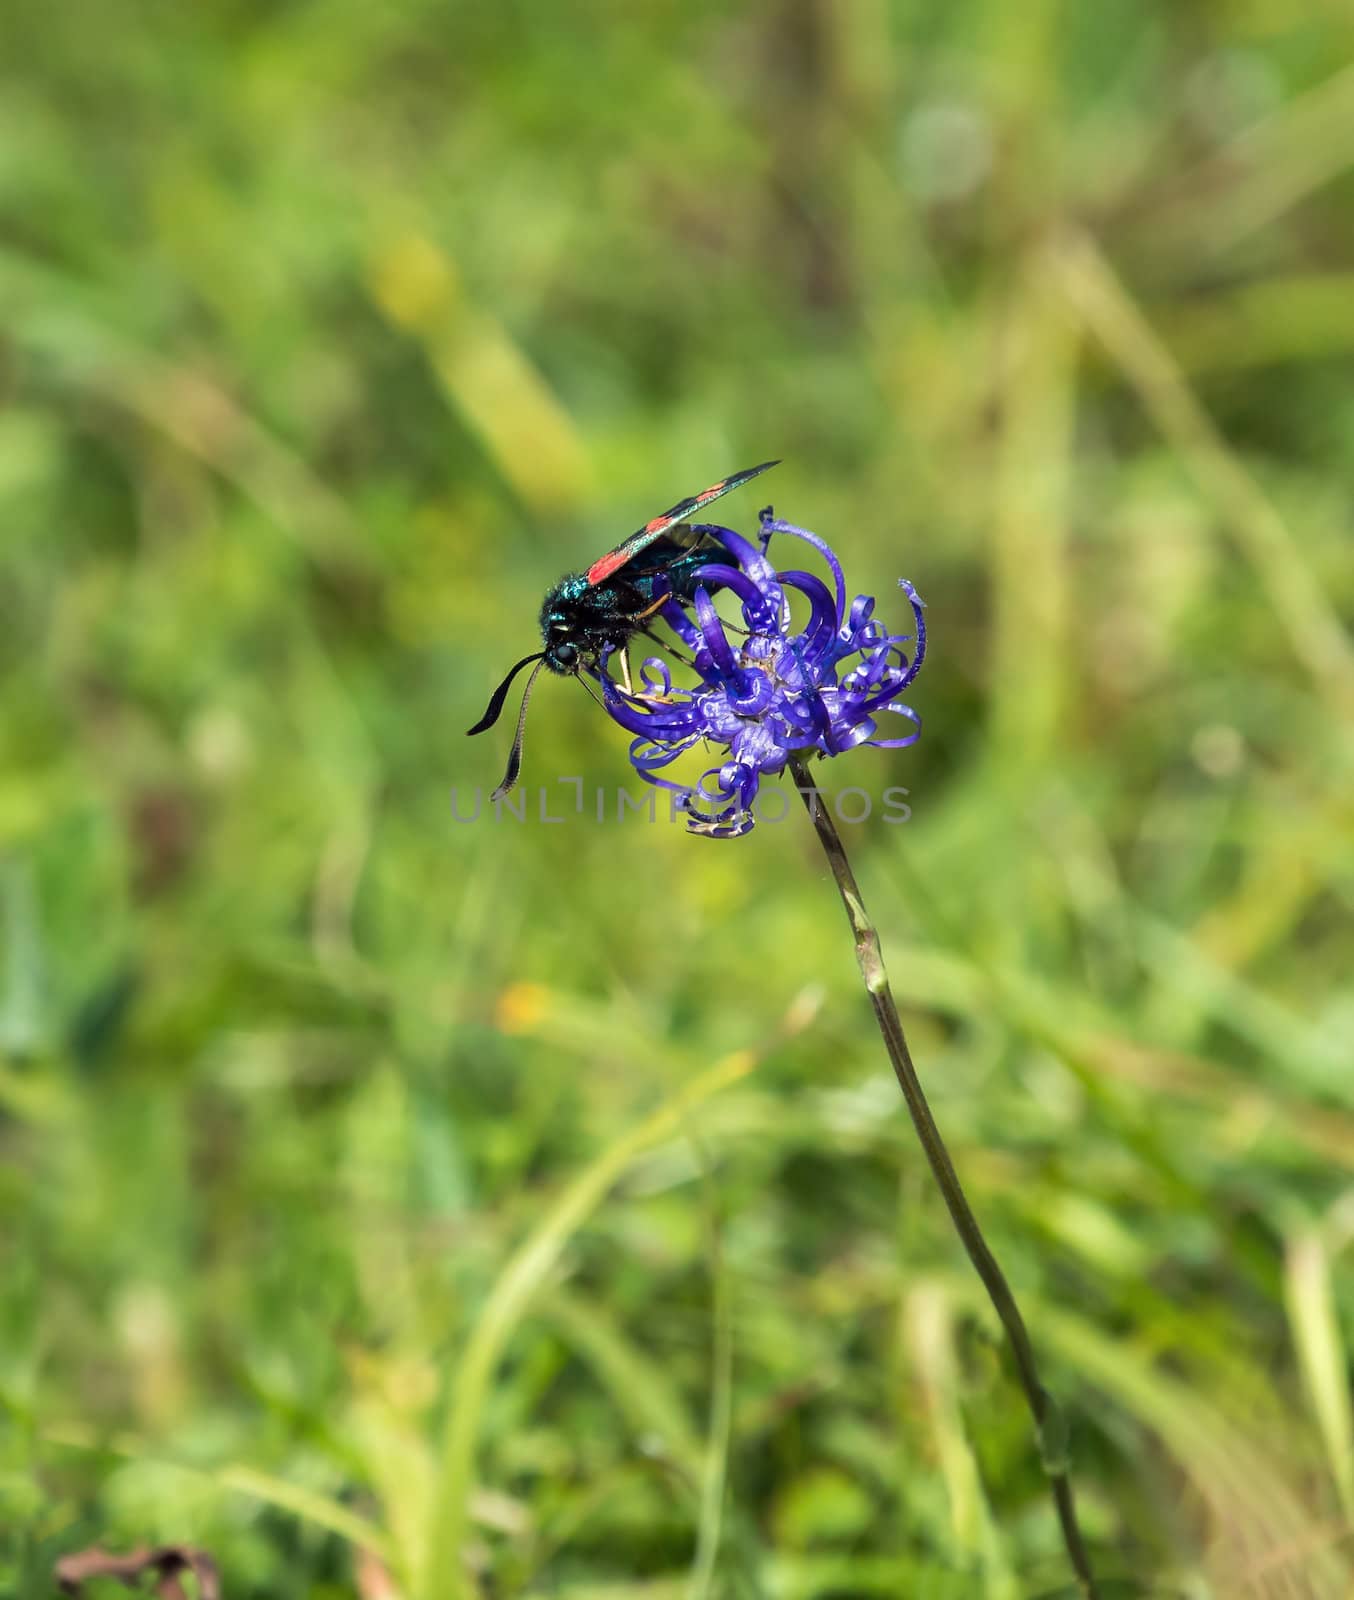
x,y
580,620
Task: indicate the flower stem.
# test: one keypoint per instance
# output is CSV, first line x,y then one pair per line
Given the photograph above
x,y
1048,1419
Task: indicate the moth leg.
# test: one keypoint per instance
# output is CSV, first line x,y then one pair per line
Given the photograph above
x,y
639,617
591,696
624,654
664,645
636,620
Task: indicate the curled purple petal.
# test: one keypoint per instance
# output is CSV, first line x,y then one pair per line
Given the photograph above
x,y
907,739
715,640
822,618
757,610
752,560
772,525
655,675
681,624
918,611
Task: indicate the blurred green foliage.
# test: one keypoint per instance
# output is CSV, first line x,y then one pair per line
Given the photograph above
x,y
367,1174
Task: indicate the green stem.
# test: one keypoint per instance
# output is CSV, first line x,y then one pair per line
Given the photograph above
x,y
1047,1417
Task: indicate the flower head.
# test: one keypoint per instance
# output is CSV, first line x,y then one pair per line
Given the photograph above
x,y
772,690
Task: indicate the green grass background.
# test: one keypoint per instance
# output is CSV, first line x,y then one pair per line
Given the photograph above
x,y
399,1207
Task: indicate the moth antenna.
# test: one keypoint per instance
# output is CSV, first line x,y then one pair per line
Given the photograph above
x,y
515,754
495,707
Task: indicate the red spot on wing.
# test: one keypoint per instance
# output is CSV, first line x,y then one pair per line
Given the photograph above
x,y
606,566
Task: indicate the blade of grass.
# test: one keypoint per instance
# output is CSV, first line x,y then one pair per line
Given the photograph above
x,y
927,1327
307,1504
1231,1000
21,961
1302,317
1091,1041
442,1576
1028,550
1322,1357
483,372
1264,171
639,1386
1260,1514
55,317
1285,870
714,1476
1314,632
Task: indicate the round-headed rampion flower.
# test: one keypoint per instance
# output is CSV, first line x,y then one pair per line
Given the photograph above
x,y
769,691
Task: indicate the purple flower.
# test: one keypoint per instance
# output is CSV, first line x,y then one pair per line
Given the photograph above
x,y
770,690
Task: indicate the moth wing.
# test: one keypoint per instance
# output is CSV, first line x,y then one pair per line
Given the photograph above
x,y
626,552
